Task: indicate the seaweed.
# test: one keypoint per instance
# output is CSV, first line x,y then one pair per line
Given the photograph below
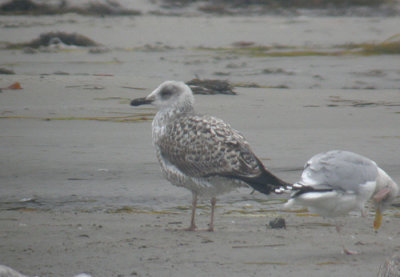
x,y
391,46
278,3
50,38
388,47
208,86
6,71
121,119
136,210
22,7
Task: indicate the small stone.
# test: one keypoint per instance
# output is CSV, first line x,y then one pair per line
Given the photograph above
x,y
277,223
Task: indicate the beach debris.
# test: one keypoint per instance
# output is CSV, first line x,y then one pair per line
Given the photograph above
x,y
83,275
338,101
30,50
289,7
120,119
99,50
390,46
243,44
249,85
135,210
211,86
93,87
259,245
100,8
266,263
59,72
13,86
137,88
277,71
391,267
56,40
6,71
206,240
22,6
6,271
103,74
214,8
277,223
28,199
156,47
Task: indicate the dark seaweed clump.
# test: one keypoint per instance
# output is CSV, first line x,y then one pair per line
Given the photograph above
x,y
285,3
46,39
6,71
19,7
277,223
67,38
288,7
207,86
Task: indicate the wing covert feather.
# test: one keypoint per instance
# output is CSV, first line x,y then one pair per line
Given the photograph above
x,y
339,170
202,146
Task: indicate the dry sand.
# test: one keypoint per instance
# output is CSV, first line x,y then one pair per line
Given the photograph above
x,y
80,188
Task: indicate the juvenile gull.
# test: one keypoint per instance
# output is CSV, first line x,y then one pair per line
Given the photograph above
x,y
337,182
200,152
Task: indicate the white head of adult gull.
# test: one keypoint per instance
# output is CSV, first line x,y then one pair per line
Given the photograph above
x,y
337,182
200,152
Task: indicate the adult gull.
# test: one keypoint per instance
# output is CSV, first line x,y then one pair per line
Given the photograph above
x,y
200,152
337,182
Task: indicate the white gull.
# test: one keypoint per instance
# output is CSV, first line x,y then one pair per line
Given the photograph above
x,y
200,152
337,182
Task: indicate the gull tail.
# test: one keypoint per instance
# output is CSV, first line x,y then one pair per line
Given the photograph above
x,y
266,182
299,189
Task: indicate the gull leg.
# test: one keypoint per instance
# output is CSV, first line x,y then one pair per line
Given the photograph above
x,y
192,221
345,250
211,226
363,212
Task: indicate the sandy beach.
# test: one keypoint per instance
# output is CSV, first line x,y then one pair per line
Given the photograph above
x,y
80,186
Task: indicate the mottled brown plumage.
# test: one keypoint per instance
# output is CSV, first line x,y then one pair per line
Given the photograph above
x,y
204,146
200,152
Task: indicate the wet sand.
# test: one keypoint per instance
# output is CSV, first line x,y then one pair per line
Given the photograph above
x,y
81,190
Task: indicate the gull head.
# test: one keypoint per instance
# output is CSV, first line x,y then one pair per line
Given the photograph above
x,y
386,191
169,95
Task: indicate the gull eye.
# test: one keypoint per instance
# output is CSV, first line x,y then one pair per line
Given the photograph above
x,y
166,93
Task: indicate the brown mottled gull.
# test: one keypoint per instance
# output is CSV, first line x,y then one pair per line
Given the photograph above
x,y
200,152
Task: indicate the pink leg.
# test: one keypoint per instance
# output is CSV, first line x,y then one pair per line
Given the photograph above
x,y
213,202
192,222
345,250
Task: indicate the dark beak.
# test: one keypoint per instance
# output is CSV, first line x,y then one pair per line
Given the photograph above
x,y
141,101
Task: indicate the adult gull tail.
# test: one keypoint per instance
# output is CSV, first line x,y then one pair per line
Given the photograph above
x,y
200,152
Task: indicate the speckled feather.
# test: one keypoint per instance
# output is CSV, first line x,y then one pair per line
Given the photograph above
x,y
204,146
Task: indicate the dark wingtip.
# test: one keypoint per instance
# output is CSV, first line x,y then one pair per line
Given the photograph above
x,y
140,101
